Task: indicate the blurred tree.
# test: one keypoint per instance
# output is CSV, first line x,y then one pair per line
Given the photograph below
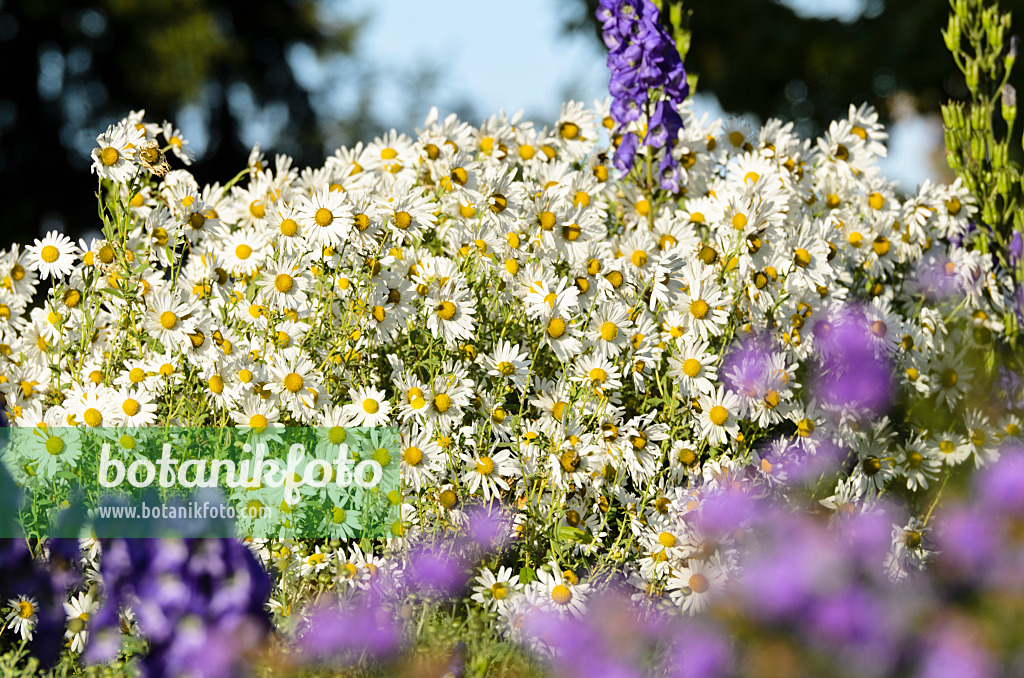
x,y
71,68
762,57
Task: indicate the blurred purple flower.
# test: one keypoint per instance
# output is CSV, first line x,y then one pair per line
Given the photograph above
x,y
701,651
954,651
201,603
935,276
432,570
1000,488
854,373
355,627
1016,248
489,528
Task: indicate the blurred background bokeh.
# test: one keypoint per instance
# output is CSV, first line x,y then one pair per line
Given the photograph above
x,y
305,76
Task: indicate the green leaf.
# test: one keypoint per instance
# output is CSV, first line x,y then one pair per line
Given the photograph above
x,y
569,533
527,574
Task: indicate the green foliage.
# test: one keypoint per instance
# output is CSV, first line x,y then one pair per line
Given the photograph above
x,y
978,132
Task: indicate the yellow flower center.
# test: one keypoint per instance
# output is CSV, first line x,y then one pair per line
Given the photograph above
x,y
168,320
370,406
289,227
698,583
699,308
556,328
92,417
413,456
561,595
323,217
485,466
442,401
446,310
293,382
283,283
547,220
402,220
49,254
130,407
54,445
109,156
243,251
691,367
718,415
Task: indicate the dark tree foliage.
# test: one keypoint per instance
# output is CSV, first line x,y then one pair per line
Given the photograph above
x,y
71,68
760,56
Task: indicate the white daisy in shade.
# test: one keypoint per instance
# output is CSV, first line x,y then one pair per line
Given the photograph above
x,y
23,616
55,449
113,157
718,415
79,610
492,589
369,407
53,256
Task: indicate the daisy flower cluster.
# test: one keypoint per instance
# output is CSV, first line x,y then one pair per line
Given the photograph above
x,y
580,348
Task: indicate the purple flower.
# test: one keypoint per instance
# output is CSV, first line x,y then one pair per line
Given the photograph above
x,y
1016,249
201,603
854,373
433,570
702,651
955,651
353,627
642,58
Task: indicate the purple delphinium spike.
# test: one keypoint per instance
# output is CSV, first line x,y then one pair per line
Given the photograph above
x,y
642,58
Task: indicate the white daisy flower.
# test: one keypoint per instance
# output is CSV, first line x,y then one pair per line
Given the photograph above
x,y
53,256
483,472
324,217
718,414
114,158
23,616
492,589
369,407
78,611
